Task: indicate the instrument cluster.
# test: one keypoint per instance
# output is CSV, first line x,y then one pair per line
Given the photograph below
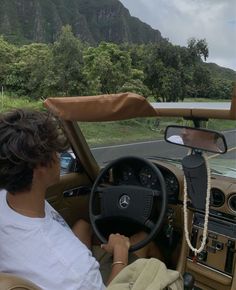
x,y
144,176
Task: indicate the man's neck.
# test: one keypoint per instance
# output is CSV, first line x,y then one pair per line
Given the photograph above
x,y
28,203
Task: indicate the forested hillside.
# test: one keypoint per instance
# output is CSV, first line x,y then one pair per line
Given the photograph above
x,y
25,21
221,72
86,47
71,67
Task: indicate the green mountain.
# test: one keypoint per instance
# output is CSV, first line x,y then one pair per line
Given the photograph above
x,y
219,72
25,21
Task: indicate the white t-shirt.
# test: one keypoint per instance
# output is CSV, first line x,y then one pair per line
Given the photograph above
x,y
45,251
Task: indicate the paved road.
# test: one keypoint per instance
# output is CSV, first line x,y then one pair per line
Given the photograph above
x,y
155,148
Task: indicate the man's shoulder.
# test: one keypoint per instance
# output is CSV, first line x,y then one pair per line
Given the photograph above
x,y
2,193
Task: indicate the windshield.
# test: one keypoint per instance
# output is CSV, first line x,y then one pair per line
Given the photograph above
x,y
224,164
144,137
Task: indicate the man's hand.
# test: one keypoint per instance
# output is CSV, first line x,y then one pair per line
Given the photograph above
x,y
116,242
118,246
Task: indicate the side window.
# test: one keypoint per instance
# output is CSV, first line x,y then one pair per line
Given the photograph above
x,y
69,163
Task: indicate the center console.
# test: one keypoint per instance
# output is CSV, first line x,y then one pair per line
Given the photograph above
x,y
215,267
219,252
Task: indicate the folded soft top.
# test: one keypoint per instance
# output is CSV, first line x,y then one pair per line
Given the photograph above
x,y
123,106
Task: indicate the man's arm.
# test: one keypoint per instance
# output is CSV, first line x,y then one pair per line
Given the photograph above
x,y
83,231
118,245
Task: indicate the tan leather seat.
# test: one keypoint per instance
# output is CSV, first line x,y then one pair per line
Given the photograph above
x,y
13,282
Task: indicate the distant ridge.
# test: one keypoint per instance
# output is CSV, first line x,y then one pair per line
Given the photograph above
x,y
220,72
26,21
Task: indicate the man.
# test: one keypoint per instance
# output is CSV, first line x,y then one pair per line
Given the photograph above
x,y
35,241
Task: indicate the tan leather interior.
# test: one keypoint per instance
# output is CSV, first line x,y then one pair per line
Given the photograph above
x,y
72,208
13,282
81,148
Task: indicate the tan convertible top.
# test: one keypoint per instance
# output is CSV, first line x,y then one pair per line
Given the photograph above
x,y
129,105
100,108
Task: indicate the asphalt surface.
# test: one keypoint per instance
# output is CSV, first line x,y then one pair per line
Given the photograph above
x,y
156,148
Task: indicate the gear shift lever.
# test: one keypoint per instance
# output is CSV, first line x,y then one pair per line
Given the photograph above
x,y
188,281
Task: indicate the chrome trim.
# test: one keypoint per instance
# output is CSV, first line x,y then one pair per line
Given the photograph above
x,y
219,234
229,198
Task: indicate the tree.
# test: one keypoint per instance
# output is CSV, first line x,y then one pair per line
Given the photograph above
x,y
7,57
107,67
29,73
135,84
200,83
164,72
137,54
221,89
171,88
68,64
198,48
169,55
153,73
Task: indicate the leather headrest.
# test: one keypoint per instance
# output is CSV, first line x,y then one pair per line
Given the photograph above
x,y
13,282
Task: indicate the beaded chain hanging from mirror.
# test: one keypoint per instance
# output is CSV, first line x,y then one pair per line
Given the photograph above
x,y
207,206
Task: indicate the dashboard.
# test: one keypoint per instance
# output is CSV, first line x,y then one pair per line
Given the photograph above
x,y
137,173
223,189
219,253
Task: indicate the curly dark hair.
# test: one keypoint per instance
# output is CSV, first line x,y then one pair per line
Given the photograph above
x,y
28,138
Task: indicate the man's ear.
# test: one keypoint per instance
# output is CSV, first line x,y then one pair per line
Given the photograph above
x,y
40,170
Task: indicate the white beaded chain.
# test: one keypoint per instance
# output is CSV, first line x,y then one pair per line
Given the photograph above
x,y
207,206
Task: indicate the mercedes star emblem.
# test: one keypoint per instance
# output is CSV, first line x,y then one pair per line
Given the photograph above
x,y
124,201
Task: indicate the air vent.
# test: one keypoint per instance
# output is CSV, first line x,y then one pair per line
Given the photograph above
x,y
232,202
217,197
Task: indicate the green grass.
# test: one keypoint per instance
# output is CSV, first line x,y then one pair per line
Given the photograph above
x,y
101,133
221,125
120,132
205,100
8,102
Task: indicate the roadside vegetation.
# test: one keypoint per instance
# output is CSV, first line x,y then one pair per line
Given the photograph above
x,y
137,130
140,129
160,72
70,67
8,102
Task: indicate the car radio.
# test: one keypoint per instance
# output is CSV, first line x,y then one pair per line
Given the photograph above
x,y
220,249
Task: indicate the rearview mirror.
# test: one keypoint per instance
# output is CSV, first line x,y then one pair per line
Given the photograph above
x,y
196,138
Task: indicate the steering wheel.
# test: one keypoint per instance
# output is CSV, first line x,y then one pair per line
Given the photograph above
x,y
129,202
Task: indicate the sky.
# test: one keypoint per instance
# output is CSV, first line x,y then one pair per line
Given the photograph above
x,y
179,20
